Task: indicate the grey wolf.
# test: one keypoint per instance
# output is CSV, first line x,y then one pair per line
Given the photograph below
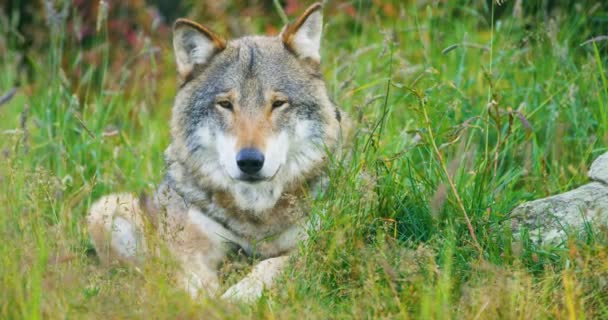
x,y
252,127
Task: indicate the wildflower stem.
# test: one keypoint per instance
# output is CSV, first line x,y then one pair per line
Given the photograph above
x,y
448,176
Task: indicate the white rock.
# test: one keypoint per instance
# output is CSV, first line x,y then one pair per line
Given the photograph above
x,y
599,169
550,219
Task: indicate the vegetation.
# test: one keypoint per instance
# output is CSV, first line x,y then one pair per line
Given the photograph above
x,y
462,114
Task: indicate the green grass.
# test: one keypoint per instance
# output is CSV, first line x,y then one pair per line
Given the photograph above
x,y
457,119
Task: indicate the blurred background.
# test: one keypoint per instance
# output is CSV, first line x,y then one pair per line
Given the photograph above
x,y
140,27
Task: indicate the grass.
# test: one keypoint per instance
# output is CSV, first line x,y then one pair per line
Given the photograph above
x,y
460,118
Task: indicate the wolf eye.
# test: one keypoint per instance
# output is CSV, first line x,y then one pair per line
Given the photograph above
x,y
225,104
278,104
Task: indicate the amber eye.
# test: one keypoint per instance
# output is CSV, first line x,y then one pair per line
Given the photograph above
x,y
278,104
225,104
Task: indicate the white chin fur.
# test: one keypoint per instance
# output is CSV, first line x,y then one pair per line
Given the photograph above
x,y
257,197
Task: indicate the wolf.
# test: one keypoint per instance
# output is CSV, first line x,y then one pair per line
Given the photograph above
x,y
252,131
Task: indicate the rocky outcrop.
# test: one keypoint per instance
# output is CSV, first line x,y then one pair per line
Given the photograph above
x,y
550,219
599,169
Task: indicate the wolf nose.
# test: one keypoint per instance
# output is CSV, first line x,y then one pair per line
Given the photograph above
x,y
250,160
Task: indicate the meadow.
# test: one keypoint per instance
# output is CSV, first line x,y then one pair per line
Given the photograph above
x,y
462,114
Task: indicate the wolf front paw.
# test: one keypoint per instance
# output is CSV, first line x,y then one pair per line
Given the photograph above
x,y
262,276
247,290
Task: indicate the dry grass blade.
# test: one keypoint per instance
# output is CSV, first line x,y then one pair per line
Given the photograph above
x,y
445,170
595,39
8,96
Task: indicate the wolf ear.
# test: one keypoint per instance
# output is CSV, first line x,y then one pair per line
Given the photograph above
x,y
303,36
194,45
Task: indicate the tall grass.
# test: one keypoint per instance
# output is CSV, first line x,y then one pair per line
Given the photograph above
x,y
460,118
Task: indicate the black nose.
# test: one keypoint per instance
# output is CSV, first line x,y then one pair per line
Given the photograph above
x,y
250,160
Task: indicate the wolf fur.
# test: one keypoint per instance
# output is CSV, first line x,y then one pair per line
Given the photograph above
x,y
261,94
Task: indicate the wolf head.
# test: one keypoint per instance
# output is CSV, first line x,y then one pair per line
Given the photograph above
x,y
252,116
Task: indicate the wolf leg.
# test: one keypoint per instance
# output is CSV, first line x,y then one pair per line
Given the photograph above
x,y
116,227
200,246
262,276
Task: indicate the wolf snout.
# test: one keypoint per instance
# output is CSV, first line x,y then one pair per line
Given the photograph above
x,y
250,160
